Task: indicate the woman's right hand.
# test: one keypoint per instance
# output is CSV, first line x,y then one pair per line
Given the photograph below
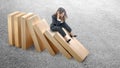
x,y
58,15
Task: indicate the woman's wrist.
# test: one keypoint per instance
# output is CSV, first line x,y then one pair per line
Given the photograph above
x,y
58,19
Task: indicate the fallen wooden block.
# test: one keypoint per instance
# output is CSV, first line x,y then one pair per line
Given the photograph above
x,y
50,37
26,39
40,28
72,47
83,51
11,27
31,21
17,29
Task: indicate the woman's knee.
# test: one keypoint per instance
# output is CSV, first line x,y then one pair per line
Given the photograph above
x,y
55,28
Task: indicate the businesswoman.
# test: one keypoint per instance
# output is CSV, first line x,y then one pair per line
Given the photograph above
x,y
58,22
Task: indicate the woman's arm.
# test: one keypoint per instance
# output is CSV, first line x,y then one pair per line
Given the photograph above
x,y
56,21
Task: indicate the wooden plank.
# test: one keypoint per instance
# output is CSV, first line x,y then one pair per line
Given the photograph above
x,y
43,31
83,51
40,28
26,39
52,46
50,37
71,47
11,27
17,29
30,22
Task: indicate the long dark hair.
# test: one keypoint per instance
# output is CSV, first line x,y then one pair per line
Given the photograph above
x,y
61,10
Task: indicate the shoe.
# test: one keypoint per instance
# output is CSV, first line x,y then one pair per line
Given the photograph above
x,y
68,40
73,36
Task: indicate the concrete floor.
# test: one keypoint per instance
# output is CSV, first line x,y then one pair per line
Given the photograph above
x,y
96,22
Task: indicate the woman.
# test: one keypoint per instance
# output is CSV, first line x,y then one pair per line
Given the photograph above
x,y
58,22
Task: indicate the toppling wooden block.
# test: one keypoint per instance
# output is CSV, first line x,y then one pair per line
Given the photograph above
x,y
26,39
50,37
72,47
17,29
84,51
40,28
11,27
31,21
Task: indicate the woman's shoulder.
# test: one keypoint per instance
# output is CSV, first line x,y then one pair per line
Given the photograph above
x,y
53,16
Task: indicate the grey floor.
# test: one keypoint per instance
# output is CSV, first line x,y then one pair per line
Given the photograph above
x,y
96,22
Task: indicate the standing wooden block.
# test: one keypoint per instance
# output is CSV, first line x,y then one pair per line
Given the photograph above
x,y
40,28
17,29
30,22
26,39
71,47
50,36
11,27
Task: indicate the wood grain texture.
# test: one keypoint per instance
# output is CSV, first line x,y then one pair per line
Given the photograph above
x,y
72,47
26,39
50,36
17,29
11,27
40,28
30,22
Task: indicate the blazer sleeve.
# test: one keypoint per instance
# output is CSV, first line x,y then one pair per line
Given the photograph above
x,y
55,21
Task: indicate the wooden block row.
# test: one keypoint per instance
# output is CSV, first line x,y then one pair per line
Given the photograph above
x,y
18,32
40,28
48,41
27,29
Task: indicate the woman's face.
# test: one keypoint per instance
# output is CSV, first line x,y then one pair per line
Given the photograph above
x,y
62,14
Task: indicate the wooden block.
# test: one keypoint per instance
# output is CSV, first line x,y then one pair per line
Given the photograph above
x,y
11,27
40,28
26,39
31,22
43,31
83,51
17,28
71,47
50,37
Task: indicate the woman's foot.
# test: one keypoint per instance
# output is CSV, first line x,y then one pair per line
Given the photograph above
x,y
68,40
73,35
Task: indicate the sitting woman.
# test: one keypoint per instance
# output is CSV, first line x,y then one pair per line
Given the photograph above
x,y
58,22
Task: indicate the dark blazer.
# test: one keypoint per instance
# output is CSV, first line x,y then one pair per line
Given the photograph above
x,y
55,22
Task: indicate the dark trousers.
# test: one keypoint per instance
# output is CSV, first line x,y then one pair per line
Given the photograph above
x,y
60,30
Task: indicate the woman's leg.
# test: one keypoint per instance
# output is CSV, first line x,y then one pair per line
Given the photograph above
x,y
67,27
60,30
69,30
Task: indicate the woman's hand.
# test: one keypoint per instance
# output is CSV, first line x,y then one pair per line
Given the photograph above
x,y
58,16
